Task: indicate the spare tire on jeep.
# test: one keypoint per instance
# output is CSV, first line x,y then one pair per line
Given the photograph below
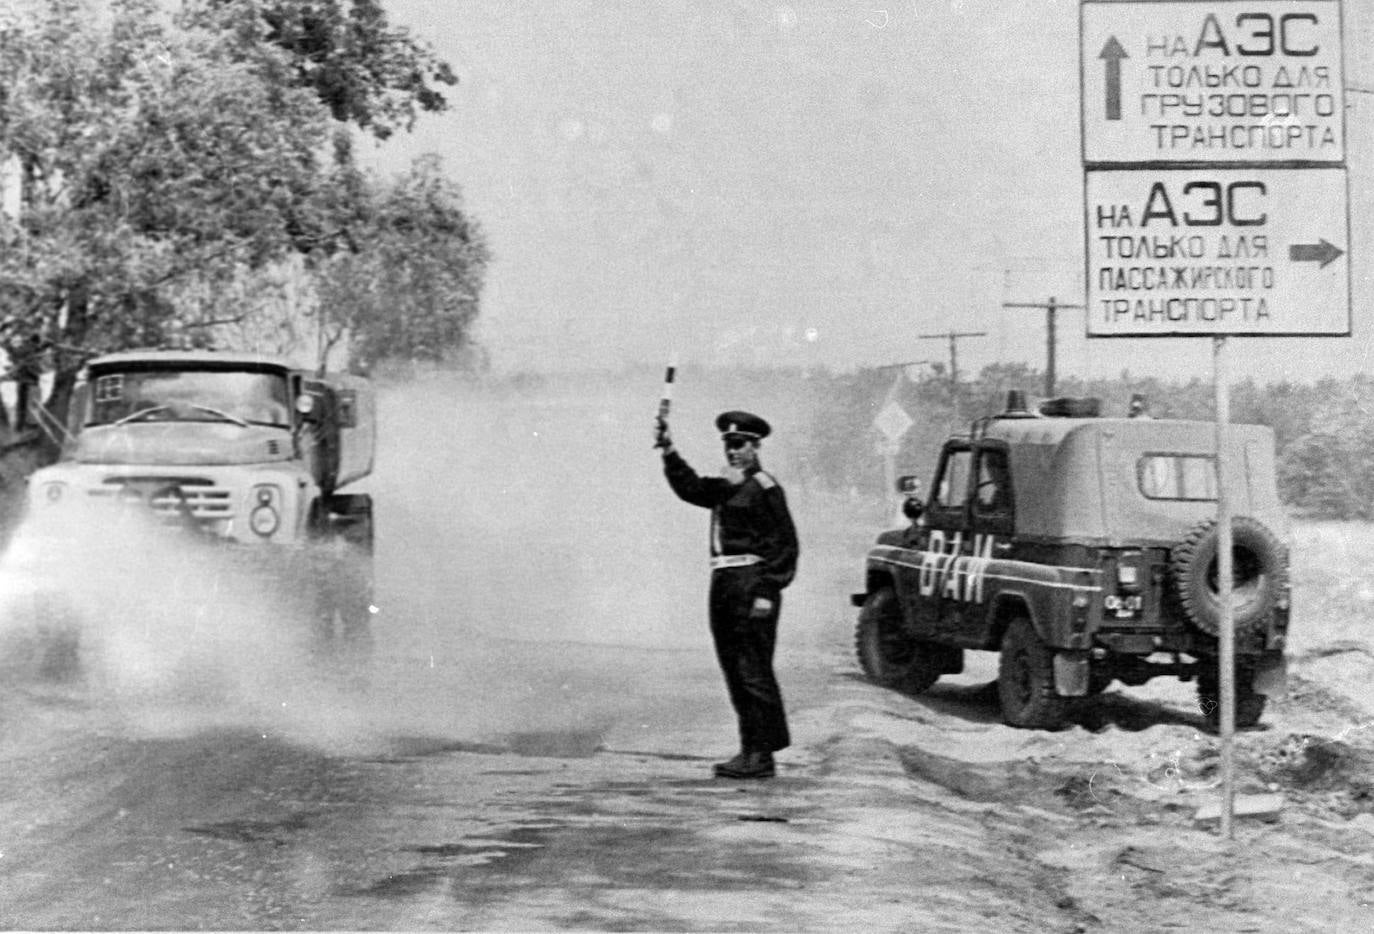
x,y
1259,573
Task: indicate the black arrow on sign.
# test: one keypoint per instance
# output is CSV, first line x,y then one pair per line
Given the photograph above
x,y
1319,252
1113,53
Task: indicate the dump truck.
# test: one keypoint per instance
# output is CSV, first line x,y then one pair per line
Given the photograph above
x,y
244,457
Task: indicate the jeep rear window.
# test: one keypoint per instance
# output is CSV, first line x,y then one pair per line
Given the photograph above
x,y
1177,476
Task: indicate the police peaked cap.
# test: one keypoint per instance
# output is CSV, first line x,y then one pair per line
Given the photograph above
x,y
744,424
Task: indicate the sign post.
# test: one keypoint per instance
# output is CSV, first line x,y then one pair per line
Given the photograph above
x,y
1226,634
894,422
1215,199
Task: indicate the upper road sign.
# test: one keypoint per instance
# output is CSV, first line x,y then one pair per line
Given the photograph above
x,y
1212,81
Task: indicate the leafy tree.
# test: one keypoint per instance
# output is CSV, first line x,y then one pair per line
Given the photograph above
x,y
178,177
150,155
366,71
1329,470
410,288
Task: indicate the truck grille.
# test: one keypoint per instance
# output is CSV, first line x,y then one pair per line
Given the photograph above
x,y
169,496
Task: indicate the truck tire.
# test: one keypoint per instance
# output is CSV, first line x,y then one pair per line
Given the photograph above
x,y
1259,572
1025,680
1249,704
344,606
354,518
888,655
59,640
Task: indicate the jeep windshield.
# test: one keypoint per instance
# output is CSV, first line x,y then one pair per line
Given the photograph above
x,y
243,397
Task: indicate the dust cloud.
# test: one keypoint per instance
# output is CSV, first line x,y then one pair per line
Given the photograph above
x,y
533,574
152,622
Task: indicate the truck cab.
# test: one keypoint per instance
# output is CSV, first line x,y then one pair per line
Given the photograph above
x,y
238,451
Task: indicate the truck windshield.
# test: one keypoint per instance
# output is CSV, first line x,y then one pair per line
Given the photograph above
x,y
255,398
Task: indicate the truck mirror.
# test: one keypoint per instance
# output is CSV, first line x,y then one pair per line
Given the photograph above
x,y
908,486
348,408
305,405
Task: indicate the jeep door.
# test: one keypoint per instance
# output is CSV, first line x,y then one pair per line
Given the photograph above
x,y
992,520
943,539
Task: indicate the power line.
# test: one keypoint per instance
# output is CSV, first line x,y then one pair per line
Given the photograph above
x,y
1051,307
953,337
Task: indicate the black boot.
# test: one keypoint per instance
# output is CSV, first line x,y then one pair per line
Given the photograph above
x,y
747,765
732,765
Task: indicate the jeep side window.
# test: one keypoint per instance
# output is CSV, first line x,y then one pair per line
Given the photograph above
x,y
951,490
992,495
1177,476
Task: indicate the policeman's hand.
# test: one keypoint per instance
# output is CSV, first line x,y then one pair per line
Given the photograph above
x,y
761,608
662,437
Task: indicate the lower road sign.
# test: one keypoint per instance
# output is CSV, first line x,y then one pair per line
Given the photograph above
x,y
893,421
1196,251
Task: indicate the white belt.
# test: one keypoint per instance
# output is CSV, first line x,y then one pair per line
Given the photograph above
x,y
733,561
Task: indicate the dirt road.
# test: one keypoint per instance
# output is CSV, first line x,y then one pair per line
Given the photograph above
x,y
531,746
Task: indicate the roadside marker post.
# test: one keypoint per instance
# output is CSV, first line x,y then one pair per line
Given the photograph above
x,y
1216,200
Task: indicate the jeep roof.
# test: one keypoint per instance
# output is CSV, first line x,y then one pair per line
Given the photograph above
x,y
1082,478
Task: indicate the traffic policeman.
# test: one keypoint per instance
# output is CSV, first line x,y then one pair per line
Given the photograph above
x,y
753,557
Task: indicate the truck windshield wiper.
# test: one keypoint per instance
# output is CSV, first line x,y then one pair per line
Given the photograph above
x,y
224,415
140,414
144,413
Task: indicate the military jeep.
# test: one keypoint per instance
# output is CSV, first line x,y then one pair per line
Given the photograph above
x,y
1083,549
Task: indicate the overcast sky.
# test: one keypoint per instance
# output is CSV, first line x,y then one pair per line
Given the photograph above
x,y
802,183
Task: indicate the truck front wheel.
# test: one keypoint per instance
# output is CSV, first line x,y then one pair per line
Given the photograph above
x,y
889,656
1025,680
344,607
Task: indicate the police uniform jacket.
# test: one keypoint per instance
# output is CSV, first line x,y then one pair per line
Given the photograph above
x,y
750,518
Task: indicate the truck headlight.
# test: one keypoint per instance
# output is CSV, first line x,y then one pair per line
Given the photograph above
x,y
263,521
265,518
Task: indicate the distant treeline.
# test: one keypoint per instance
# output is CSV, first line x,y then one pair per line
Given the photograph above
x,y
1325,444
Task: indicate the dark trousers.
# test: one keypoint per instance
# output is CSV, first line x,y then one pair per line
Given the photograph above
x,y
744,648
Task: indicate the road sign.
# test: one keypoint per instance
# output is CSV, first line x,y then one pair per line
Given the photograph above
x,y
893,421
1217,251
1214,177
1226,81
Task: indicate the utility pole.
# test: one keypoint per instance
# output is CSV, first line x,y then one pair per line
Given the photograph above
x,y
953,337
1051,307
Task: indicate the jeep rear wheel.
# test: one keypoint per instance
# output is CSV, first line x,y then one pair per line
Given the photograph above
x,y
1259,574
889,656
1249,704
1025,680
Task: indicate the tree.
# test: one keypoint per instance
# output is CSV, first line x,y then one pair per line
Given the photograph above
x,y
175,165
410,289
150,155
1329,470
366,71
